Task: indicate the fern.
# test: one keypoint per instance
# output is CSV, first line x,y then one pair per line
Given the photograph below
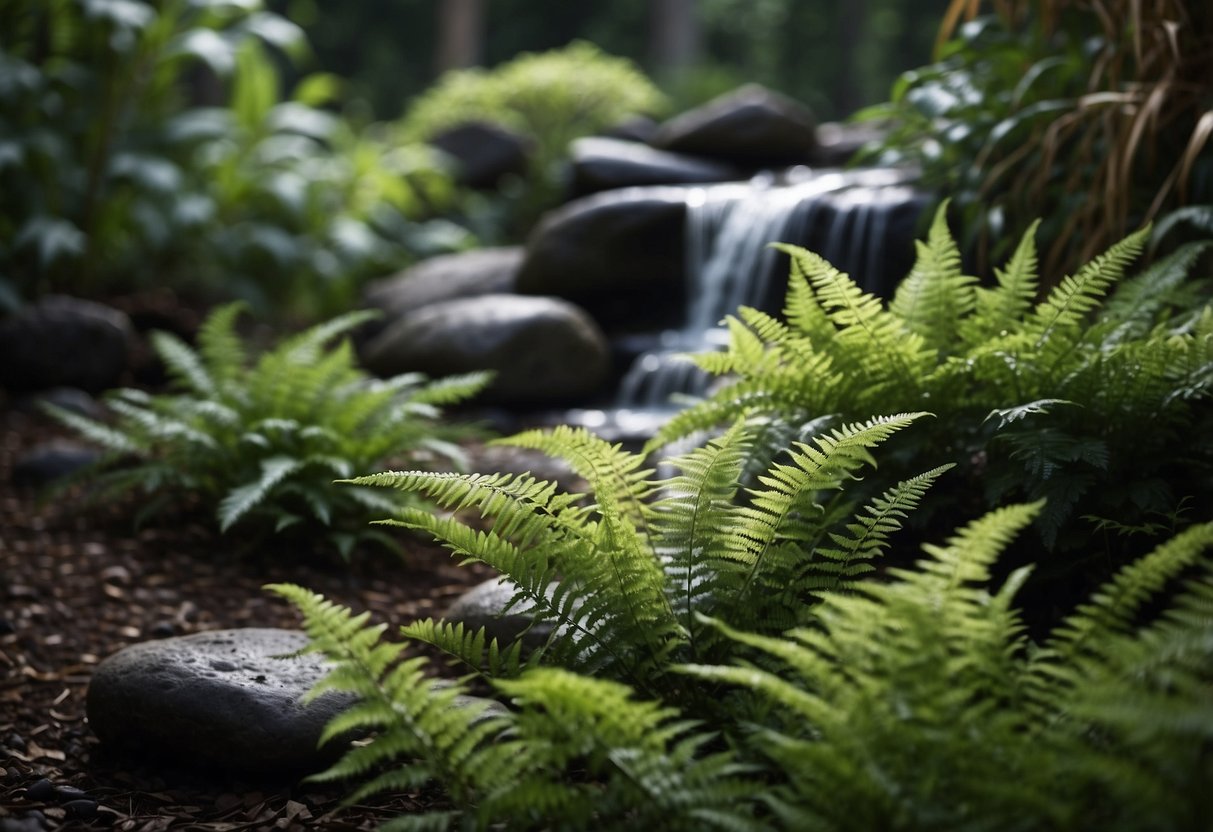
x,y
265,442
919,704
1129,357
620,597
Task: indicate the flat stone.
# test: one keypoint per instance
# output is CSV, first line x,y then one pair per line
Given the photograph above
x,y
218,699
751,125
600,164
50,461
541,350
484,152
64,342
446,277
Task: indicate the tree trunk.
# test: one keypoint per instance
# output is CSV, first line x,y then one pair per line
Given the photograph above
x,y
674,37
460,34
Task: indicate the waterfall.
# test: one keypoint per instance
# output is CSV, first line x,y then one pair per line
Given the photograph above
x,y
843,216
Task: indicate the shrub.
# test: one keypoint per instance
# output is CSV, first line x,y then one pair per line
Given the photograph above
x,y
1094,115
916,703
551,98
266,441
112,178
1093,398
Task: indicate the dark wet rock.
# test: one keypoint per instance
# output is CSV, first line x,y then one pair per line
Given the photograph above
x,y
619,254
40,791
485,271
484,153
64,342
80,809
542,350
484,605
51,461
750,126
506,459
600,164
634,129
67,398
217,699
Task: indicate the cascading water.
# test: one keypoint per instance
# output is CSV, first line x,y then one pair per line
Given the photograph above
x,y
848,217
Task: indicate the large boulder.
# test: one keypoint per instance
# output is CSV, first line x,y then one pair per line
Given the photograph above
x,y
619,254
751,126
600,164
485,271
484,152
64,342
225,699
542,350
487,605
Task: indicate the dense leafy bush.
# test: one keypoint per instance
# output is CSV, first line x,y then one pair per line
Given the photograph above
x,y
266,441
912,704
551,98
1094,115
113,177
1096,399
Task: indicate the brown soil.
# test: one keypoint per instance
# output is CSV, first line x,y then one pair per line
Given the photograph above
x,y
78,584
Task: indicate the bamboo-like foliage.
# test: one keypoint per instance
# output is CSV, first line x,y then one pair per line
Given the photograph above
x,y
1093,396
1095,113
265,438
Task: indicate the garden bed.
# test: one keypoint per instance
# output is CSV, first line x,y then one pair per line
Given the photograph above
x,y
82,583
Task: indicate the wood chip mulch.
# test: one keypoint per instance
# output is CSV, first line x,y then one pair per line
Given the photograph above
x,y
77,584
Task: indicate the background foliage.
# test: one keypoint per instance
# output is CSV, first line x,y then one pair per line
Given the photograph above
x,y
145,145
1094,115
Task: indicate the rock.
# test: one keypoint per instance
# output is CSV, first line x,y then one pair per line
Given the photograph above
x,y
600,164
67,398
484,152
33,821
446,277
543,350
618,254
40,791
64,342
43,464
750,126
484,606
634,129
219,700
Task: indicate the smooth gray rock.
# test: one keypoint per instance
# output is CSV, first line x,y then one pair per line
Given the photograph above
x,y
543,350
484,153
49,461
600,164
837,143
484,271
619,254
217,699
751,126
484,605
64,342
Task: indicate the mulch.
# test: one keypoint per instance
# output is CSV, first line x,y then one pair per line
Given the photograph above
x,y
80,583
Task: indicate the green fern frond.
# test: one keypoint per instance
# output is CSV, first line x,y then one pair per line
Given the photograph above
x,y
1000,310
470,647
616,477
241,500
184,365
1076,296
220,348
452,389
935,298
1137,301
867,536
114,440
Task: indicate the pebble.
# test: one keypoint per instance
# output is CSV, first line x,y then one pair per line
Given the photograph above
x,y
29,822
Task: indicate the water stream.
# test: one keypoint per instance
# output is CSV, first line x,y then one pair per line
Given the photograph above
x,y
851,218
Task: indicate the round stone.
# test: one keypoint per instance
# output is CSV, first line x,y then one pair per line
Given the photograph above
x,y
227,699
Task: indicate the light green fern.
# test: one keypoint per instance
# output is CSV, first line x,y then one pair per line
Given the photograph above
x,y
265,440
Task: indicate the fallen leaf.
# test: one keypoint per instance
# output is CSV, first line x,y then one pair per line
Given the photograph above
x,y
37,752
